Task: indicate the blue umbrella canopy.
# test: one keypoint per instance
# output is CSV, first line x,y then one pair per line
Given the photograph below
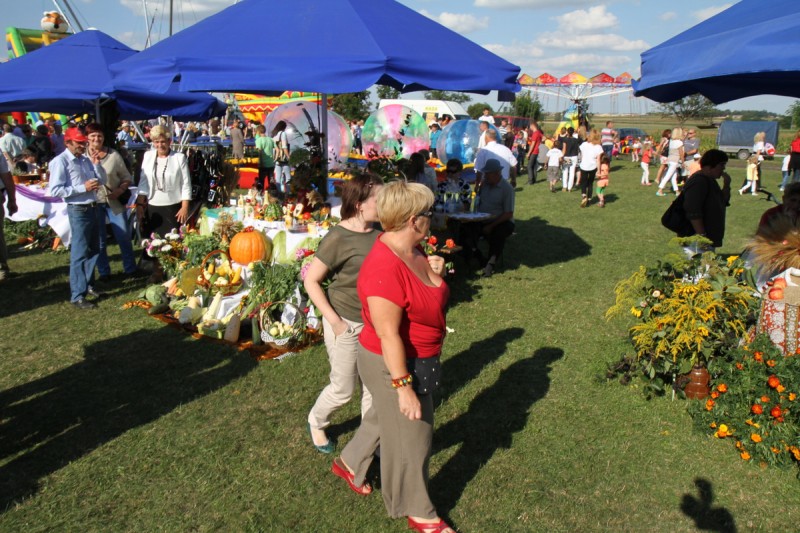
x,y
328,46
749,49
72,75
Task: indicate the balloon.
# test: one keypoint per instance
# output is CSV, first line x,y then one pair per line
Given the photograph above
x,y
395,131
459,140
304,117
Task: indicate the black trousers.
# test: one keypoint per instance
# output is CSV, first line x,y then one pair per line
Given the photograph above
x,y
471,233
587,181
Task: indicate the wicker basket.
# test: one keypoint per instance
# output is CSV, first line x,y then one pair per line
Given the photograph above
x,y
267,318
226,290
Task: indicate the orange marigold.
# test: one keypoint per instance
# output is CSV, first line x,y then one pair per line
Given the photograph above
x,y
773,381
755,437
758,356
722,388
765,399
792,396
770,362
739,366
794,450
715,395
756,409
709,405
780,388
745,456
776,412
774,449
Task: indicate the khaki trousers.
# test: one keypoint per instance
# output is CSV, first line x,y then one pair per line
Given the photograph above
x,y
342,355
405,444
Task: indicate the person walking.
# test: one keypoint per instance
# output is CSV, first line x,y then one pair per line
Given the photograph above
x,y
534,139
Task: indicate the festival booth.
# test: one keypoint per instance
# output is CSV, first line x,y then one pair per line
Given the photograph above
x,y
725,329
376,50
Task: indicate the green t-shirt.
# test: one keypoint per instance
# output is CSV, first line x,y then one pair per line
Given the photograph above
x,y
265,146
343,251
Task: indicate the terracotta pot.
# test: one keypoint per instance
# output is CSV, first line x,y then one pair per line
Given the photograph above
x,y
697,388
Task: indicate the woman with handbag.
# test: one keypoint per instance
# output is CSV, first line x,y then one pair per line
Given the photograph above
x,y
165,188
403,296
339,257
283,171
112,199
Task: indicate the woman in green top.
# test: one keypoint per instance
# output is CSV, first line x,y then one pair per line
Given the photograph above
x,y
266,163
339,258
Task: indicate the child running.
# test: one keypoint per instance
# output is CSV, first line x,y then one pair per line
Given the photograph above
x,y
752,176
647,155
602,179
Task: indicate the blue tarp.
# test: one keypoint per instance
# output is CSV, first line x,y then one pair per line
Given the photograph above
x,y
329,46
69,76
751,48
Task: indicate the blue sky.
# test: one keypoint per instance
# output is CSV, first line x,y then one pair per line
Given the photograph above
x,y
554,36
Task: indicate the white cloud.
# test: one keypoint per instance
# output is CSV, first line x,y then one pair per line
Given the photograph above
x,y
669,15
709,12
594,18
517,53
585,64
512,4
459,22
131,39
595,41
202,8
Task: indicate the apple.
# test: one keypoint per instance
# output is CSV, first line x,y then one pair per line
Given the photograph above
x,y
779,283
775,293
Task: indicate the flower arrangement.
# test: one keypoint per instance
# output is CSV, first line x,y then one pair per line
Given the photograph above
x,y
429,246
168,250
755,402
686,312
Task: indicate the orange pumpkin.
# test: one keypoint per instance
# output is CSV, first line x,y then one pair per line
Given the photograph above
x,y
250,245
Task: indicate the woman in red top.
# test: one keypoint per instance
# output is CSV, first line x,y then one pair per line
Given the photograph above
x,y
403,299
794,161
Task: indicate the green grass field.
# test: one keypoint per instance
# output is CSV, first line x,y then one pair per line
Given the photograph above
x,y
111,421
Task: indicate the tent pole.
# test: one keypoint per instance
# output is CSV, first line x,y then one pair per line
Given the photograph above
x,y
323,128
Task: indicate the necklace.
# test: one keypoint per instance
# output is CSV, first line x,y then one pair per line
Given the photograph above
x,y
161,184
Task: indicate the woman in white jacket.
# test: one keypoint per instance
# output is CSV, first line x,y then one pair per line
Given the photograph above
x,y
165,187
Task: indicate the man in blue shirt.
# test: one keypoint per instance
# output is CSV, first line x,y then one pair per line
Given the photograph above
x,y
75,178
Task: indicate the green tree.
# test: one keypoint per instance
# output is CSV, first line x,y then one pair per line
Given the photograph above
x,y
526,106
387,93
695,106
459,98
476,110
352,106
794,112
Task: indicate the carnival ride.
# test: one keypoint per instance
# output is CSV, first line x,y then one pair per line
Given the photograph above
x,y
577,90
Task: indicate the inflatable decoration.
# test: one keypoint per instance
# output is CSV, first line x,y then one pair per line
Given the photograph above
x,y
459,140
303,121
53,22
395,131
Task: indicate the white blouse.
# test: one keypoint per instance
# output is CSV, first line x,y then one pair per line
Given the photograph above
x,y
165,180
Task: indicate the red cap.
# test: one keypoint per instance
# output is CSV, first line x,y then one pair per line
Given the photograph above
x,y
74,134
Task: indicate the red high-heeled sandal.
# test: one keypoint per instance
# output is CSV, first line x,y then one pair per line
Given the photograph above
x,y
340,470
435,527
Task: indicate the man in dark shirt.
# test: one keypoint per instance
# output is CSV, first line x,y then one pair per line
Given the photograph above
x,y
704,201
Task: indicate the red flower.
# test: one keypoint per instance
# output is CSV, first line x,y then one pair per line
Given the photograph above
x,y
756,409
306,215
450,243
773,381
432,240
758,356
776,412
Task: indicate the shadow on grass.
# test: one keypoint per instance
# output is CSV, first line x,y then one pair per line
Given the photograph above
x,y
538,244
26,291
706,517
121,384
489,424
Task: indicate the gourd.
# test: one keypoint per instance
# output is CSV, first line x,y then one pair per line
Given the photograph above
x,y
250,245
233,328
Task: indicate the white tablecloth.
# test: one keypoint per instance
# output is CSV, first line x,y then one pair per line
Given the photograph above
x,y
33,203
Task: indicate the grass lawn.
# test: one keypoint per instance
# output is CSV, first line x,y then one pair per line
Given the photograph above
x,y
111,421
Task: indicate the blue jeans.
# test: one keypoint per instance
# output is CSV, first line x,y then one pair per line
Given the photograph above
x,y
122,234
607,149
84,248
785,181
283,174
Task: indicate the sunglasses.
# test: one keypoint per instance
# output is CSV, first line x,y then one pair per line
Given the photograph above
x,y
428,213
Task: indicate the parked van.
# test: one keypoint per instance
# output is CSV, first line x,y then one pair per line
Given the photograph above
x,y
430,109
736,137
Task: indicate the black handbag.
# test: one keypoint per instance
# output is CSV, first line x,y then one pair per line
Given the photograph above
x,y
674,218
427,372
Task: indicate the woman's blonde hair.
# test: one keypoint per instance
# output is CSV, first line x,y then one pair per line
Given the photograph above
x,y
760,136
159,132
677,133
594,137
398,201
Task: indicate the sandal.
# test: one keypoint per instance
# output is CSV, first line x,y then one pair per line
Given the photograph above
x,y
434,527
340,470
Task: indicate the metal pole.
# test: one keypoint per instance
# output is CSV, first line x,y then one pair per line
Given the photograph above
x,y
323,128
170,18
72,14
146,25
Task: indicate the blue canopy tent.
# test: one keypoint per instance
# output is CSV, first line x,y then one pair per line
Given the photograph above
x,y
72,76
749,49
327,46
